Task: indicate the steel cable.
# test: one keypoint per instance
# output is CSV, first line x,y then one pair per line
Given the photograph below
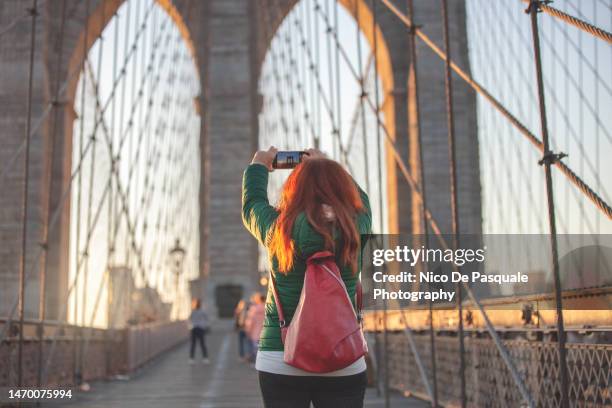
x,y
25,194
573,177
47,206
49,107
18,19
56,214
114,173
574,21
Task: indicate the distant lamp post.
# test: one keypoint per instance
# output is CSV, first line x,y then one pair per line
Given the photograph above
x,y
177,258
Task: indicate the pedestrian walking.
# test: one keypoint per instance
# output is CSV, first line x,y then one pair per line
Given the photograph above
x,y
254,323
200,326
240,314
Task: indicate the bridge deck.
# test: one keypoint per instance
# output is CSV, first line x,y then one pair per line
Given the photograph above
x,y
172,382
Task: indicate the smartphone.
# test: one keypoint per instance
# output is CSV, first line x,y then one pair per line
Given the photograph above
x,y
287,160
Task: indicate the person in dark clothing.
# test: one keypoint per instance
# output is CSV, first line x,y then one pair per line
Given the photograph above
x,y
199,327
240,314
298,391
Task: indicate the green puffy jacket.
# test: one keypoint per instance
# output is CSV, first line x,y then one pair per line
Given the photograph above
x,y
259,217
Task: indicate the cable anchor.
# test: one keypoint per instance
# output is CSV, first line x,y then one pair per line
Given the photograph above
x,y
551,158
537,4
412,29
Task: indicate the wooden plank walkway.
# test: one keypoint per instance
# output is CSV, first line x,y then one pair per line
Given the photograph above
x,y
171,382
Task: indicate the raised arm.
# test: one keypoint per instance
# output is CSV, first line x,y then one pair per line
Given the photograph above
x,y
257,213
364,219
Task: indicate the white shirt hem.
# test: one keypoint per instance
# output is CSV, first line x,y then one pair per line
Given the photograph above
x,y
273,362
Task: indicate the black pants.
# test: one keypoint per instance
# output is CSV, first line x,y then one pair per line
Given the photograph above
x,y
197,334
283,391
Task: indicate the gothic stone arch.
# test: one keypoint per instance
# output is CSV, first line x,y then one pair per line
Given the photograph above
x,y
53,50
404,213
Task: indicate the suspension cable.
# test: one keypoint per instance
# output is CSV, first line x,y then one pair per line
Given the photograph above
x,y
25,194
546,161
501,348
18,19
122,196
362,82
338,93
358,115
380,197
329,105
330,76
414,129
315,73
34,129
437,232
311,81
573,177
106,275
452,154
110,241
63,197
429,217
49,182
574,21
92,172
77,250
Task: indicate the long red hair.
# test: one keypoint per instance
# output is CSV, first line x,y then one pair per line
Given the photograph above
x,y
312,183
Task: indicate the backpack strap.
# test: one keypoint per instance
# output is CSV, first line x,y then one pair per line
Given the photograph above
x,y
358,292
359,299
279,308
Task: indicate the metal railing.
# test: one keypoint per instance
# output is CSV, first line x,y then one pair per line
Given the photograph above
x,y
145,342
107,352
489,382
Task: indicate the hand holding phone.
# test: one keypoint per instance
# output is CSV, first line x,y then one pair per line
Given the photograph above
x,y
265,157
273,159
287,159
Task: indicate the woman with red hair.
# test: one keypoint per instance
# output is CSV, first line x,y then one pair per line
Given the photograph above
x,y
320,208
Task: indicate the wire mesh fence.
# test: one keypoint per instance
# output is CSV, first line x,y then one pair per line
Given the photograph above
x,y
489,383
